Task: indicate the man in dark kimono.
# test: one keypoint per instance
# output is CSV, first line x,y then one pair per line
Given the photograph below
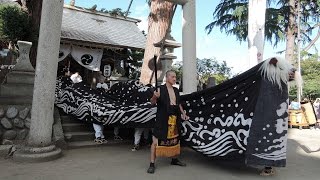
x,y
166,142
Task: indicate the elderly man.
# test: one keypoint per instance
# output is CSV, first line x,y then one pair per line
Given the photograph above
x,y
166,142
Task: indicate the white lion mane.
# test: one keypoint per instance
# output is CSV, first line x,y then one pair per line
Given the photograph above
x,y
279,73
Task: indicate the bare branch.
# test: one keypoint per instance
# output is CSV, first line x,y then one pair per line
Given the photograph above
x,y
312,42
313,27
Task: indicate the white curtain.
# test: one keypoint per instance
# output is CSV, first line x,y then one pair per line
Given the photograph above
x,y
64,51
88,58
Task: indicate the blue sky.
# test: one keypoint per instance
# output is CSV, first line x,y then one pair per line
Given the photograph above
x,y
217,44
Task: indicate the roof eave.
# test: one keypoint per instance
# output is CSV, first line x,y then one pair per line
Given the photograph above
x,y
102,14
95,44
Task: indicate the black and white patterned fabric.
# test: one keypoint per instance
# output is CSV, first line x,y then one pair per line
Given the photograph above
x,y
125,104
243,118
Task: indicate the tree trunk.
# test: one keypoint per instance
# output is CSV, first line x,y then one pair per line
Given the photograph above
x,y
34,10
256,26
290,34
158,23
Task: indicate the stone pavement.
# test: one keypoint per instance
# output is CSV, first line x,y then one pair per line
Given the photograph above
x,y
118,162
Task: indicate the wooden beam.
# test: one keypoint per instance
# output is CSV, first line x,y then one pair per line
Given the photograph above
x,y
95,45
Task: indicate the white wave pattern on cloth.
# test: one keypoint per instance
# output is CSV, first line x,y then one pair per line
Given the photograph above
x,y
278,151
222,142
94,108
275,155
283,109
141,115
282,123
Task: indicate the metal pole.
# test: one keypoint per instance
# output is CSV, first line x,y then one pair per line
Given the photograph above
x,y
155,58
299,89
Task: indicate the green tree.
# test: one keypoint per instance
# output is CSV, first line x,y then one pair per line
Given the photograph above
x,y
311,78
207,67
177,67
14,24
114,12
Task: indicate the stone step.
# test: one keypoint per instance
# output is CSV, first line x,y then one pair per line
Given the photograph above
x,y
88,144
89,135
83,127
16,90
69,119
76,127
79,131
85,136
15,100
20,77
78,136
65,119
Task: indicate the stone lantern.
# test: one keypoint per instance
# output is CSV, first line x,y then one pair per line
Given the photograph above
x,y
167,54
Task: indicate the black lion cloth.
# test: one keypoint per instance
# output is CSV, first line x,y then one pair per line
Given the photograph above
x,y
243,118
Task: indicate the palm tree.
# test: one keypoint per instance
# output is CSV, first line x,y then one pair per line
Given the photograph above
x,y
231,16
161,12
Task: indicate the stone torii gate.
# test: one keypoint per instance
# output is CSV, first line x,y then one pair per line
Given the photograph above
x,y
256,32
189,52
39,146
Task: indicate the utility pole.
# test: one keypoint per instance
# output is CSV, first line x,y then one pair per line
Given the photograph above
x,y
299,89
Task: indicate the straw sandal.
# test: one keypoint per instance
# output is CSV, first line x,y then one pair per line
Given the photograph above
x,y
268,172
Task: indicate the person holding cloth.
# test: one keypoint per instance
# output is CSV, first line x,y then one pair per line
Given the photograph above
x,y
166,141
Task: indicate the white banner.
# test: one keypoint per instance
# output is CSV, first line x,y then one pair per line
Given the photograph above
x,y
64,51
88,58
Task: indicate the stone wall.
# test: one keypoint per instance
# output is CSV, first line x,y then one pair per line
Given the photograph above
x,y
14,124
